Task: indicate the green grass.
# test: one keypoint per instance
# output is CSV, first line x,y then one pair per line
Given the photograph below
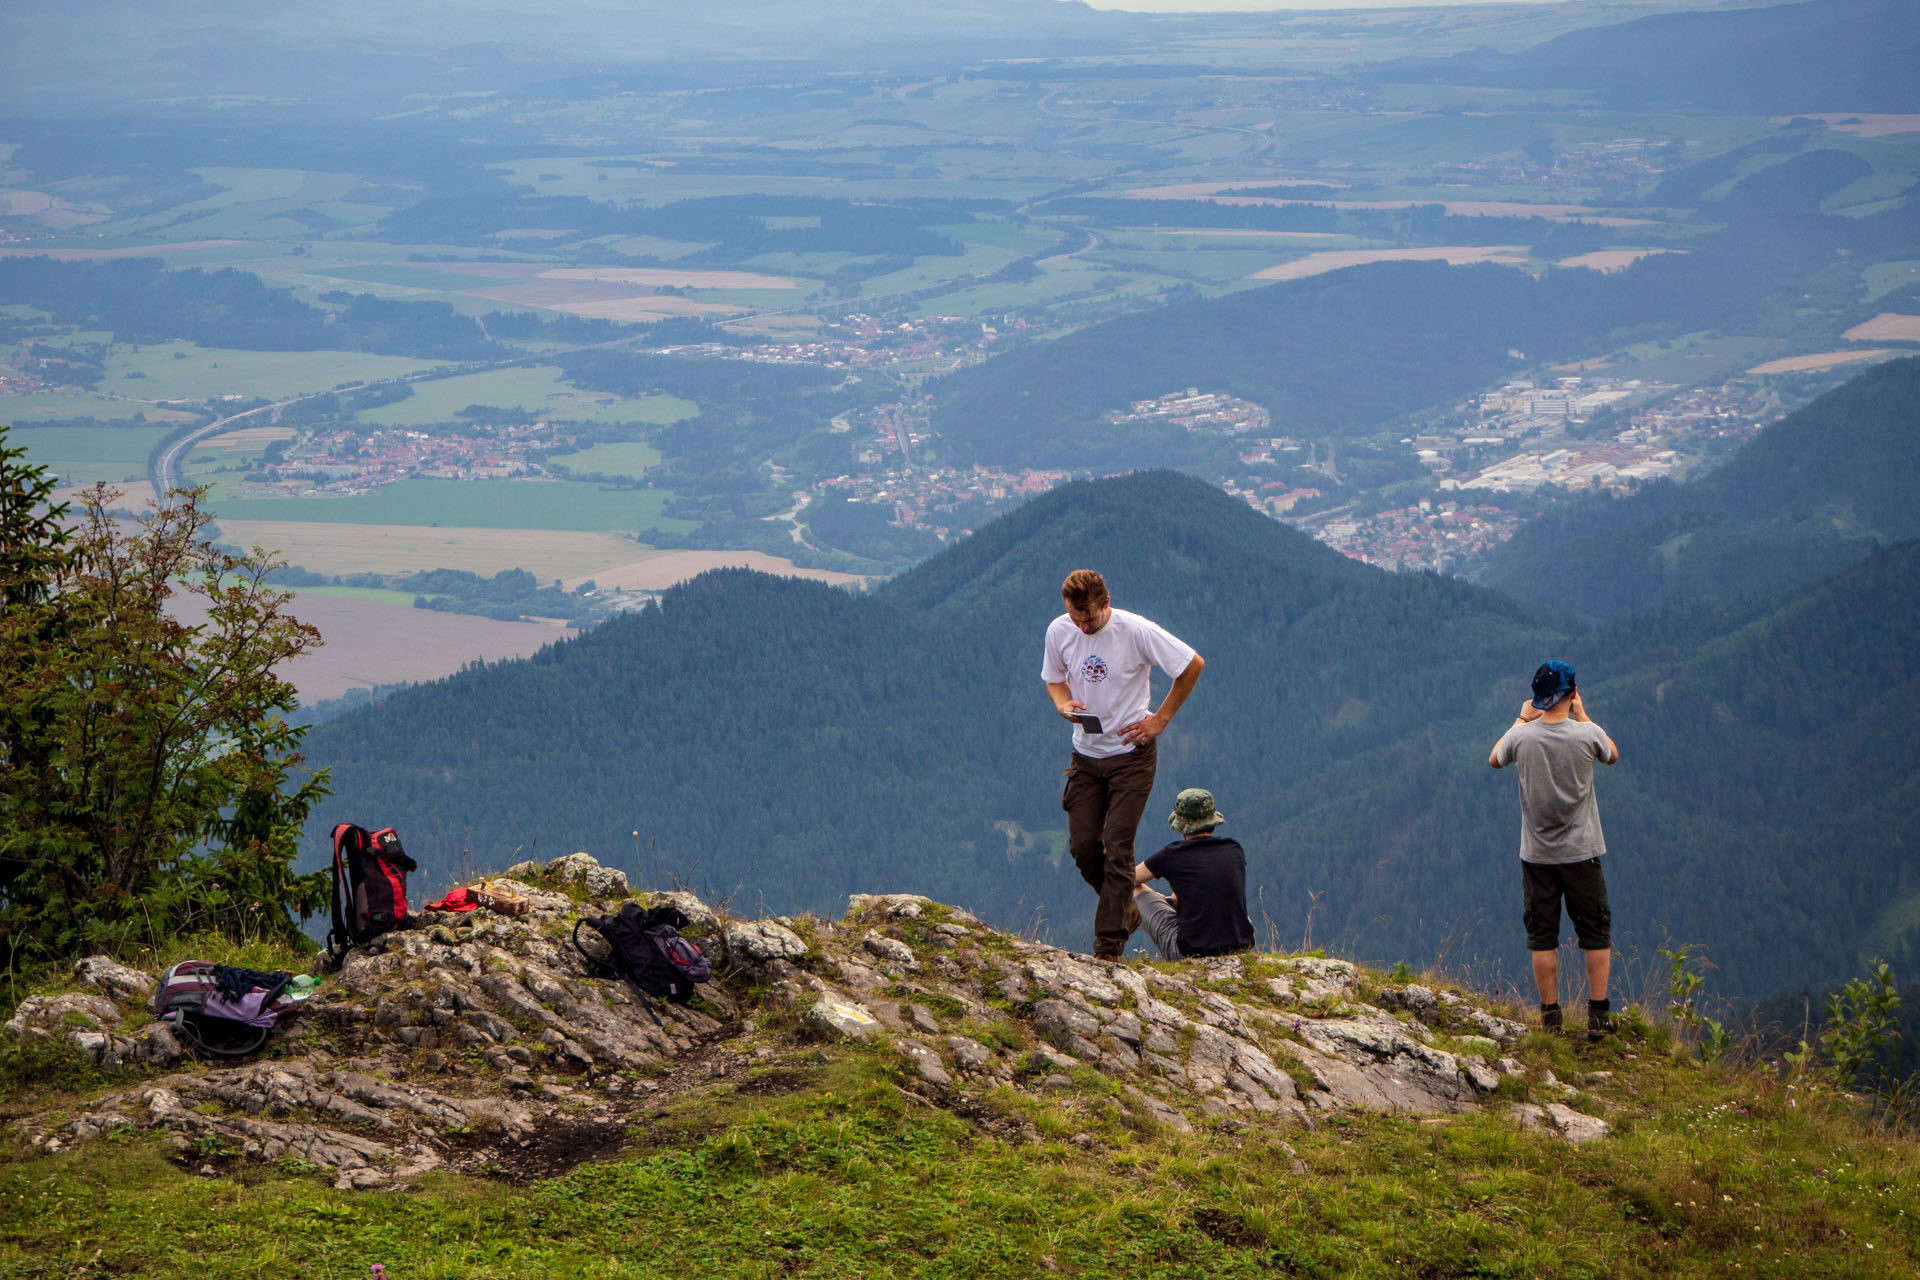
x,y
495,504
631,458
820,1160
1884,277
83,455
80,404
1710,1173
379,595
407,277
182,370
1695,359
536,390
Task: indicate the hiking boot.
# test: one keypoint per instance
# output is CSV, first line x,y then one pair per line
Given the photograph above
x,y
1550,1017
1599,1019
1107,957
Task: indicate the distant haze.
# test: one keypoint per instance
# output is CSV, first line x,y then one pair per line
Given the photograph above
x,y
1272,6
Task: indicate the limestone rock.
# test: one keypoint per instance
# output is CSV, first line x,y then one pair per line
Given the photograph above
x,y
102,973
925,1061
1062,973
1504,1030
1060,1022
39,1016
845,1018
894,906
584,870
699,915
968,1054
889,950
1561,1121
494,1029
1576,1128
754,942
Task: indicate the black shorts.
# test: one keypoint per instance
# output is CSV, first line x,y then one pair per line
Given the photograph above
x,y
1584,887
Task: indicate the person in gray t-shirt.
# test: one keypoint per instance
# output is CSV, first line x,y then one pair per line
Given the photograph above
x,y
1556,746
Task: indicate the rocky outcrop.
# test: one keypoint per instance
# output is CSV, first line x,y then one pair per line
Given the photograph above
x,y
471,1035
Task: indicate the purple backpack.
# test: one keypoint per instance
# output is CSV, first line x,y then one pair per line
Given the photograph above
x,y
223,1012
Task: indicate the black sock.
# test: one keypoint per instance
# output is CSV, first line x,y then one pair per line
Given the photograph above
x,y
1600,1006
1549,1008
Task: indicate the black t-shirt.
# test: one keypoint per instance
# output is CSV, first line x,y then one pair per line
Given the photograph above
x,y
1209,875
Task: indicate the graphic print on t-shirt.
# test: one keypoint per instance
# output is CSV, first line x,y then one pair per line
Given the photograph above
x,y
1094,669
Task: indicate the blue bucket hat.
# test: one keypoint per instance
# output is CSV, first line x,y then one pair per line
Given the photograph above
x,y
1552,682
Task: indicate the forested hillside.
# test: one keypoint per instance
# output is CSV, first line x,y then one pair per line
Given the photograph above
x,y
1760,58
1341,352
791,743
1812,493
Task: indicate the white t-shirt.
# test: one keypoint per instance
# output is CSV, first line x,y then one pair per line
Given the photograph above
x,y
1106,672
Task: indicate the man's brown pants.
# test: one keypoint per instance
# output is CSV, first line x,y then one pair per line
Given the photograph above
x,y
1104,799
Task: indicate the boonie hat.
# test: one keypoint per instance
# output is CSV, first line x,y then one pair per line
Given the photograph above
x,y
1193,811
1552,682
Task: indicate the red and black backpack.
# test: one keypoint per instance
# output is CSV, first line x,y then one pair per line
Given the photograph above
x,y
369,887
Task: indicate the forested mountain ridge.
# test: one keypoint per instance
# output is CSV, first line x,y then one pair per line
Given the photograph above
x,y
792,743
1341,352
1788,57
1811,493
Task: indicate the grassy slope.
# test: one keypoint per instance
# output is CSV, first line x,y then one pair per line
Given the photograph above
x,y
816,1163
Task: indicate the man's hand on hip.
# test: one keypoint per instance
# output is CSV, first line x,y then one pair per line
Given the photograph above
x,y
1141,732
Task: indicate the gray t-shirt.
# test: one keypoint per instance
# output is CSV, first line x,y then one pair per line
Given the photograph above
x,y
1559,820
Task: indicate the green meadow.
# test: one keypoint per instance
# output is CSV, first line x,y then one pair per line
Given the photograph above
x,y
1695,358
632,458
55,406
84,455
378,595
402,276
1884,277
182,370
495,504
537,390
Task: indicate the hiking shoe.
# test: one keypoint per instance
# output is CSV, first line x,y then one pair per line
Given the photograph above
x,y
1550,1019
1107,957
1599,1019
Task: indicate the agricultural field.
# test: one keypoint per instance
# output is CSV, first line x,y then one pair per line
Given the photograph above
x,y
499,504
1886,327
538,390
240,450
80,456
629,458
339,550
1694,358
184,371
368,643
1314,264
1821,360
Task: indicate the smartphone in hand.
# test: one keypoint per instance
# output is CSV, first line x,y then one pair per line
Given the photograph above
x,y
1088,721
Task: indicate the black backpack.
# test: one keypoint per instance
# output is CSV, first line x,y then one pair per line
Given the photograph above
x,y
646,948
369,887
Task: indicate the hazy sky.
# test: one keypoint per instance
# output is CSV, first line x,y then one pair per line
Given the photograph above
x,y
1264,6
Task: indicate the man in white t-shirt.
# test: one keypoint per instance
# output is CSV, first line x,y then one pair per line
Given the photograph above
x,y
1095,669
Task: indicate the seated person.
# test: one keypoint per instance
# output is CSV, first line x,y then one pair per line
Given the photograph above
x,y
1206,914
